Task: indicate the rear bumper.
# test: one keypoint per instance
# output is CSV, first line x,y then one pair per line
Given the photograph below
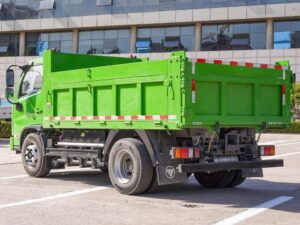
x,y
195,167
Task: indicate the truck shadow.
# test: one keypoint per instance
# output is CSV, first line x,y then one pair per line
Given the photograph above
x,y
191,195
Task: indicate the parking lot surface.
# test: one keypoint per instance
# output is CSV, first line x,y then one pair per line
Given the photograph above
x,y
85,196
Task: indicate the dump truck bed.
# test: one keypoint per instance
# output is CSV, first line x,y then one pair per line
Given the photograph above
x,y
98,92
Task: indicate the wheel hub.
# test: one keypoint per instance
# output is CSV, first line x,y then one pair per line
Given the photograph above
x,y
124,167
31,155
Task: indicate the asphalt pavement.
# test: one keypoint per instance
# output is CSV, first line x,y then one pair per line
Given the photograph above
x,y
84,196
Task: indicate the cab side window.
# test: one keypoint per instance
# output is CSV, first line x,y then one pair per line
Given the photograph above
x,y
32,81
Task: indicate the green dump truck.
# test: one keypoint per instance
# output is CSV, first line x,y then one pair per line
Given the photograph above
x,y
148,123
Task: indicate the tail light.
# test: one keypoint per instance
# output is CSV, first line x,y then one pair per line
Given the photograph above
x,y
185,153
267,150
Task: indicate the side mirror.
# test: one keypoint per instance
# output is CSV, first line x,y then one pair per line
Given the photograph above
x,y
10,78
9,92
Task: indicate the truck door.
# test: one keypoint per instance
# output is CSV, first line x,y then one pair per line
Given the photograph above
x,y
28,111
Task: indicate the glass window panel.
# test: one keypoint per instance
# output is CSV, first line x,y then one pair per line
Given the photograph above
x,y
188,43
287,34
46,4
98,46
258,40
151,5
75,7
61,8
167,5
144,32
218,3
119,6
136,5
234,36
124,45
156,32
241,28
54,36
97,35
111,46
66,46
173,31
187,31
85,35
21,9
104,2
258,27
84,46
67,36
89,7
111,34
108,41
184,4
9,44
123,33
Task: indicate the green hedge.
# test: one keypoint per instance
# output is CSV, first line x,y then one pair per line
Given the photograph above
x,y
5,129
294,128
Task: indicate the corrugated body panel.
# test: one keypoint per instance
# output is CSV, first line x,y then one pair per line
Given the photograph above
x,y
62,97
104,101
208,97
127,100
154,99
236,106
82,102
270,100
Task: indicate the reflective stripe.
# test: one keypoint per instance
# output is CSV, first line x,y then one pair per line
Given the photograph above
x,y
111,118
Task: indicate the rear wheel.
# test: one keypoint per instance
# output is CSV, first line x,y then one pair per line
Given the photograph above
x,y
129,166
219,179
33,158
237,180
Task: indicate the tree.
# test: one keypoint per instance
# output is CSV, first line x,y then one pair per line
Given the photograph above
x,y
295,99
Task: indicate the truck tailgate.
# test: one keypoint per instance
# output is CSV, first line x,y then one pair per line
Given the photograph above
x,y
237,94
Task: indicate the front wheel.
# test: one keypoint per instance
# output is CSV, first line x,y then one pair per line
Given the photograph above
x,y
129,166
33,158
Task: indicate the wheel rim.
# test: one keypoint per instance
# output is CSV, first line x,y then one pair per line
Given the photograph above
x,y
31,155
123,167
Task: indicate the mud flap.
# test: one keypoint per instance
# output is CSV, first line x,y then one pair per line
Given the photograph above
x,y
169,175
253,172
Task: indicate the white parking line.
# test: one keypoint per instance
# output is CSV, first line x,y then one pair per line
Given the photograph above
x,y
59,196
13,177
282,155
255,211
276,142
291,143
60,171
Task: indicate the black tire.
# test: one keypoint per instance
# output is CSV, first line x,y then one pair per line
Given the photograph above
x,y
33,156
154,183
129,166
209,180
237,180
227,179
219,179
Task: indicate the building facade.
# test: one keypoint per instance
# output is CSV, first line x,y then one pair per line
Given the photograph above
x,y
258,31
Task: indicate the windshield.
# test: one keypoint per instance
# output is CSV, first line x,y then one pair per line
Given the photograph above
x,y
32,81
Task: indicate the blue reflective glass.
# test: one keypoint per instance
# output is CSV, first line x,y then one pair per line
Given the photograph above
x,y
287,34
30,9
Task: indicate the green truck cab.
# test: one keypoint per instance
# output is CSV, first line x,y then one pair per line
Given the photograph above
x,y
148,123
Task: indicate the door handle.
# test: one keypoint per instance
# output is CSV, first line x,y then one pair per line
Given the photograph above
x,y
38,111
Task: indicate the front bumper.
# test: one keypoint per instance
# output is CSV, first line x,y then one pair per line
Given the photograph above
x,y
210,167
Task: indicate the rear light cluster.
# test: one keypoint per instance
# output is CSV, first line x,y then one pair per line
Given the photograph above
x,y
185,153
267,150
